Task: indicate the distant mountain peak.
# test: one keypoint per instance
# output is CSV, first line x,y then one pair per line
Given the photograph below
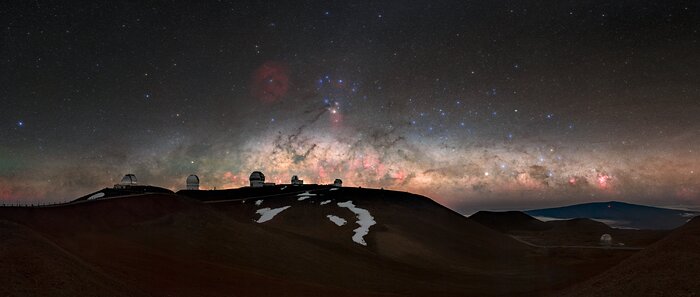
x,y
619,214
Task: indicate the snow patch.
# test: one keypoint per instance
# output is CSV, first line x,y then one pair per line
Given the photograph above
x,y
333,189
688,215
364,219
267,213
258,203
96,196
337,220
547,219
282,189
325,202
612,223
305,195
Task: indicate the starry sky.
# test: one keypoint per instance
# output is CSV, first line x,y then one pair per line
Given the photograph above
x,y
477,104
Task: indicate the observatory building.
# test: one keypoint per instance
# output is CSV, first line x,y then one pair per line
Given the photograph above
x,y
296,181
338,183
126,187
257,179
128,181
192,182
606,239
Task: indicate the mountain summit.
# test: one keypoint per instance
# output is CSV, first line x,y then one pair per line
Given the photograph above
x,y
619,215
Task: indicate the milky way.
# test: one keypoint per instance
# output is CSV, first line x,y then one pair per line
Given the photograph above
x,y
475,104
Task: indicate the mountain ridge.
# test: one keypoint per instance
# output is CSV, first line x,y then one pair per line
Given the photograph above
x,y
619,214
170,244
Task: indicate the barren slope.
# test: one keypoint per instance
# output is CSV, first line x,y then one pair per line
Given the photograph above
x,y
670,267
167,244
32,265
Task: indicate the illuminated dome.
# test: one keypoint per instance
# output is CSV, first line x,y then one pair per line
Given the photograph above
x,y
338,182
606,239
193,182
128,180
257,179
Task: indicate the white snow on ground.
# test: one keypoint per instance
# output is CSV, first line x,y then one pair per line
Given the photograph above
x,y
258,203
688,215
305,195
364,219
333,189
96,196
282,189
612,223
547,219
337,220
267,214
325,202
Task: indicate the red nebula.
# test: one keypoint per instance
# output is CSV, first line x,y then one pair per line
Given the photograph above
x,y
603,180
399,176
336,116
10,195
270,82
686,193
322,174
6,195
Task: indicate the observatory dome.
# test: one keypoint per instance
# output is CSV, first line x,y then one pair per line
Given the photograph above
x,y
193,182
606,239
296,181
128,180
338,182
257,179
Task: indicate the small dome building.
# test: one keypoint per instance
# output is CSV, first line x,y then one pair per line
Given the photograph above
x,y
127,186
338,183
128,180
296,181
606,239
192,182
257,179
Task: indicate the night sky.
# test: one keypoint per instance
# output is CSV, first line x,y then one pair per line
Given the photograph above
x,y
477,104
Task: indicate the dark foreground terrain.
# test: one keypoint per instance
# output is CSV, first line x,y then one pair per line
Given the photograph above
x,y
670,267
572,232
218,243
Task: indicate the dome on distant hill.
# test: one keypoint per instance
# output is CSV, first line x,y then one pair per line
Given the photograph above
x,y
257,179
338,182
296,181
606,239
193,182
128,180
